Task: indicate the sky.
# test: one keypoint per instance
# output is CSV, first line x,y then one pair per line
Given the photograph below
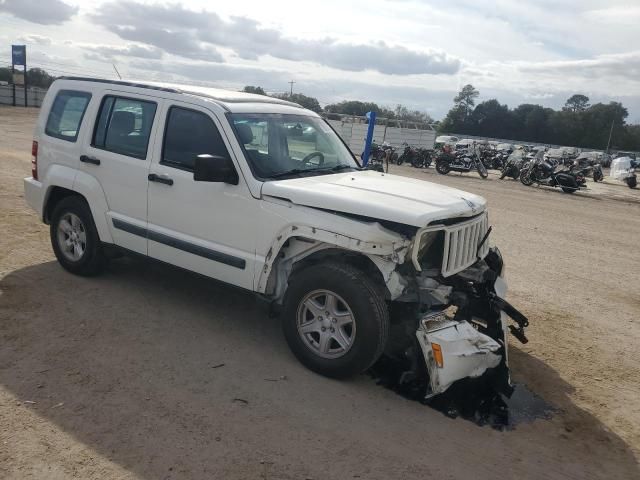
x,y
413,52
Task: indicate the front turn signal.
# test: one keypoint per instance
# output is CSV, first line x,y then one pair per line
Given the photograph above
x,y
437,354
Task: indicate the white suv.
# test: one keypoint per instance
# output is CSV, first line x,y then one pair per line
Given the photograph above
x,y
264,195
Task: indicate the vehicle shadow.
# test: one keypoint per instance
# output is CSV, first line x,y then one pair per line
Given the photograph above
x,y
170,375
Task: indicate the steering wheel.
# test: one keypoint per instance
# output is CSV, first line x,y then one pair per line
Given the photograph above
x,y
307,160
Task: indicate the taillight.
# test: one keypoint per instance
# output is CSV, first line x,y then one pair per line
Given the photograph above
x,y
34,160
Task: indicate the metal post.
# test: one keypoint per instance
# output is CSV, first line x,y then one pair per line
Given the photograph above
x,y
610,133
25,83
371,116
13,84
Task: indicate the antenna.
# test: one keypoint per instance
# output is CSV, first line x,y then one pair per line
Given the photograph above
x,y
117,72
291,83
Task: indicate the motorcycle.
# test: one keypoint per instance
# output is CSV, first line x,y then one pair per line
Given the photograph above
x,y
542,172
380,156
623,169
513,165
492,159
461,162
409,155
588,168
423,158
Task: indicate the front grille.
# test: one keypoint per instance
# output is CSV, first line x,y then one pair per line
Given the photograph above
x,y
461,244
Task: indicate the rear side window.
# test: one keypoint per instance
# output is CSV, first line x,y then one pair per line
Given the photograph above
x,y
65,116
124,126
189,133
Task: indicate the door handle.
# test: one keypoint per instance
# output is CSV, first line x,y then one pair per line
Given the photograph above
x,y
153,177
92,160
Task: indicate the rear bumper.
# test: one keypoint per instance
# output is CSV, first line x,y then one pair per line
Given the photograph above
x,y
34,193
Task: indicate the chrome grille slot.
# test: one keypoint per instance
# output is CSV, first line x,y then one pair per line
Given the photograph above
x,y
461,244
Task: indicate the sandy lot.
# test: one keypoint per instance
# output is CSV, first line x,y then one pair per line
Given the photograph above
x,y
120,377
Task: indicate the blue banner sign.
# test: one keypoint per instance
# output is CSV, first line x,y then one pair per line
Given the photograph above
x,y
19,55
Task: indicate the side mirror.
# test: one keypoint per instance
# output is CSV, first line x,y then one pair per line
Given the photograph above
x,y
214,168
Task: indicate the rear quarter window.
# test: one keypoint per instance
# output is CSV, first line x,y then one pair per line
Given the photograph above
x,y
65,116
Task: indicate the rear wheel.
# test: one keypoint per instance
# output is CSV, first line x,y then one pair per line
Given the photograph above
x,y
335,319
442,167
74,237
632,182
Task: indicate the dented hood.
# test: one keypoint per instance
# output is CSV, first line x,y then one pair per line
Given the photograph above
x,y
378,195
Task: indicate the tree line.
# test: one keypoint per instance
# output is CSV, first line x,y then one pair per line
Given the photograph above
x,y
349,107
36,77
578,123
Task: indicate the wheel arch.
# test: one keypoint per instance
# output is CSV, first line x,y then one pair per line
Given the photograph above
x,y
301,249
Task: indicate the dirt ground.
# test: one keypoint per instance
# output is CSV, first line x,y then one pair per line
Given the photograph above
x,y
149,372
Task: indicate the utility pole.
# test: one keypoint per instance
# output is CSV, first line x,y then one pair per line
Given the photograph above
x,y
291,90
610,133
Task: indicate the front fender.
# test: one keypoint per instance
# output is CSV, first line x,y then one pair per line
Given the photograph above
x,y
385,255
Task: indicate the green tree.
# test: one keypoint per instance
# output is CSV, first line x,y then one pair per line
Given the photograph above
x,y
37,77
466,98
577,103
457,120
252,89
307,102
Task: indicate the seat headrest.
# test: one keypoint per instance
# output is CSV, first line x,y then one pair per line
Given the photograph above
x,y
245,133
122,122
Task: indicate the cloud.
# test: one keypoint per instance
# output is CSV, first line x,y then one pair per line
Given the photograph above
x,y
191,34
37,39
106,52
220,75
622,65
49,12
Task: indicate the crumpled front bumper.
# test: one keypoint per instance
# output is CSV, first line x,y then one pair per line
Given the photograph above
x,y
454,350
475,340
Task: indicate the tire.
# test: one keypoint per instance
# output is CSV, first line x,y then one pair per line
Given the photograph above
x,y
503,174
401,159
632,182
482,170
352,289
442,167
74,237
525,178
568,189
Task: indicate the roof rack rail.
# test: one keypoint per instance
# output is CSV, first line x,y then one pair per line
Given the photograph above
x,y
121,82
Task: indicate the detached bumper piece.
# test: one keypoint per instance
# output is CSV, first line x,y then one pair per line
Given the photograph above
x,y
455,350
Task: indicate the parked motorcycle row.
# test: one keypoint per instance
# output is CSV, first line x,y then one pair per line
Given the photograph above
x,y
535,165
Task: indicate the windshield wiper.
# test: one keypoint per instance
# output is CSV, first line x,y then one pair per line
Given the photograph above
x,y
300,171
294,171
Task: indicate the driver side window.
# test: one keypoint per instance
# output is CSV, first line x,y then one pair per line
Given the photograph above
x,y
189,133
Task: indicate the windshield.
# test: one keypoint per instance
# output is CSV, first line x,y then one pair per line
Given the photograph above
x,y
278,146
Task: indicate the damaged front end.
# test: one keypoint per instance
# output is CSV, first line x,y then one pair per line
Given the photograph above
x,y
451,322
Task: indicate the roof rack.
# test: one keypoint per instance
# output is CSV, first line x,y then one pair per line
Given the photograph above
x,y
122,82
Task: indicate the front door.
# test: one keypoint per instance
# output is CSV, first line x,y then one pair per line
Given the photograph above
x,y
201,226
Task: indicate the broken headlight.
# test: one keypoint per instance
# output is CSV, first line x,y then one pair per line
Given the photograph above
x,y
424,241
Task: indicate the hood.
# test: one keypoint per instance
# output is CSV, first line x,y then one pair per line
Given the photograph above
x,y
378,195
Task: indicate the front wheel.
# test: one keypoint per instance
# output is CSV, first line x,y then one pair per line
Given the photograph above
x,y
525,178
632,182
442,167
401,159
74,237
335,319
568,189
482,170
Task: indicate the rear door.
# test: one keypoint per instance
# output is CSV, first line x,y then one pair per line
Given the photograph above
x,y
118,154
